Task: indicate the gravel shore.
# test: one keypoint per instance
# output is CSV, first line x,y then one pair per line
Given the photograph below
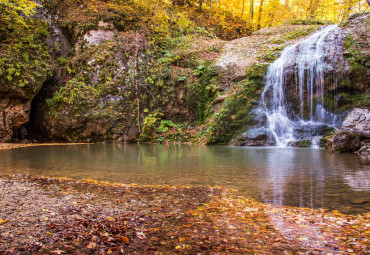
x,y
40,215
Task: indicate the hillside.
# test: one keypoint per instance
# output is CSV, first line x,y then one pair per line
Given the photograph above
x,y
83,71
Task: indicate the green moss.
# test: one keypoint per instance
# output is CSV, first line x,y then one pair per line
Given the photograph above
x,y
24,57
257,72
357,56
234,115
325,138
278,40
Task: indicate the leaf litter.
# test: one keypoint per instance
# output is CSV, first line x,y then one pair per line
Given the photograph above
x,y
42,215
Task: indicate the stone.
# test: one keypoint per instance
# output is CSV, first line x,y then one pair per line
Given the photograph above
x,y
357,119
359,201
96,37
353,134
345,141
13,113
255,137
300,144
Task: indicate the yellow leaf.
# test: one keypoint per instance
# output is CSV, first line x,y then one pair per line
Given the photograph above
x,y
3,221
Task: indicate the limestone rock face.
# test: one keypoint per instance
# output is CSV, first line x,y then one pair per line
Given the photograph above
x,y
15,105
96,37
357,119
107,85
263,46
13,113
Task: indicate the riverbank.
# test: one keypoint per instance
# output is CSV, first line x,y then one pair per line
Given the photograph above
x,y
7,146
67,216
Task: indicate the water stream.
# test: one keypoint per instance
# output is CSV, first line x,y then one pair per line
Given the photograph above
x,y
299,77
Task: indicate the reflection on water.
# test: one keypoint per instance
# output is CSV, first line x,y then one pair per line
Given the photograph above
x,y
288,176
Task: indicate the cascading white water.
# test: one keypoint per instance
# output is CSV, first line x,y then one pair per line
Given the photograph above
x,y
306,65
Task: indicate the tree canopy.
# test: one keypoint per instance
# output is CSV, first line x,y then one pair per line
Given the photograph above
x,y
268,13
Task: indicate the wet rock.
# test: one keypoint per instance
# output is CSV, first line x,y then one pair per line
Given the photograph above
x,y
359,201
345,141
300,144
308,131
255,137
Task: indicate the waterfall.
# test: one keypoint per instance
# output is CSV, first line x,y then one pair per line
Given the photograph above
x,y
293,98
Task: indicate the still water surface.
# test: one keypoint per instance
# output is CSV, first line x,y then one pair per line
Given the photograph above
x,y
288,176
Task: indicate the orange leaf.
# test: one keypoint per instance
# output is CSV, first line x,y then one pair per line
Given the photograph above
x,y
124,239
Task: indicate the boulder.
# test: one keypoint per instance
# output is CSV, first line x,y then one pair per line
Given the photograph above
x,y
359,120
354,132
345,141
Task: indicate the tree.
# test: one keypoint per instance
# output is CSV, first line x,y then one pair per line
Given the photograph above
x,y
260,15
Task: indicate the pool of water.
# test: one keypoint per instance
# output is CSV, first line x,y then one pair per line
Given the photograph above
x,y
312,178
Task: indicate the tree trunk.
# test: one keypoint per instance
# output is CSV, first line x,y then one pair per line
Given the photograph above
x,y
368,2
241,16
260,15
251,12
313,8
200,6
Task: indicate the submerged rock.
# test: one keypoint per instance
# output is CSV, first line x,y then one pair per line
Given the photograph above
x,y
255,137
300,144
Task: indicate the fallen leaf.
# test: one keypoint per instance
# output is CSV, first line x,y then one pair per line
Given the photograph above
x,y
124,239
57,251
91,245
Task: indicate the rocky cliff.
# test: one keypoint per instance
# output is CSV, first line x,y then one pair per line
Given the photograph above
x,y
126,73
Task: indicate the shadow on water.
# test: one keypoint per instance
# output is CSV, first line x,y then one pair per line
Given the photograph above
x,y
311,178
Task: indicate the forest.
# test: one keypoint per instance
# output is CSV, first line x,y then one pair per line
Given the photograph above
x,y
184,127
